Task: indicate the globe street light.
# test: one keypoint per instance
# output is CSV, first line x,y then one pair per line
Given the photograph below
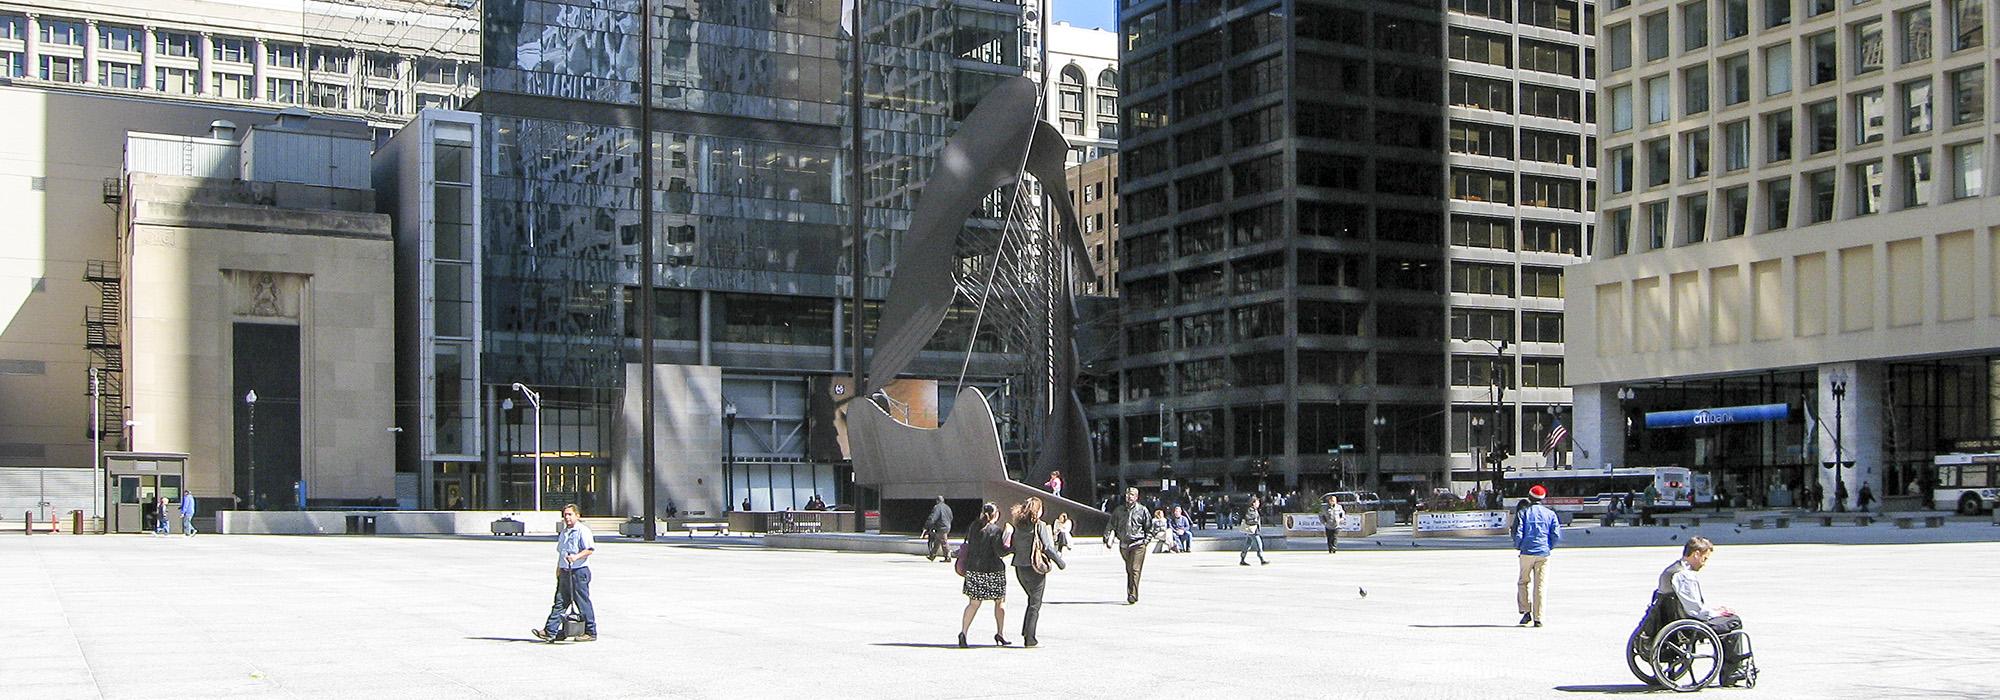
x,y
535,400
250,402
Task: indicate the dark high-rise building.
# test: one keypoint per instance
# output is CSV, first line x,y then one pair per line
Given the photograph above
x,y
1341,237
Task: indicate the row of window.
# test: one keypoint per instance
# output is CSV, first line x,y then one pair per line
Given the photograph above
x,y
1965,28
231,50
1559,15
1477,185
1867,123
1908,180
1965,90
189,81
1342,369
1532,54
1567,104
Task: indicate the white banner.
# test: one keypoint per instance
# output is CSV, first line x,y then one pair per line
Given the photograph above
x,y
1311,522
1462,520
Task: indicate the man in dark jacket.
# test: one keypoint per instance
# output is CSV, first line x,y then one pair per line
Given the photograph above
x,y
1132,525
936,527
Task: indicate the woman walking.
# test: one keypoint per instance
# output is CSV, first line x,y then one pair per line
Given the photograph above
x,y
1034,551
1253,520
985,573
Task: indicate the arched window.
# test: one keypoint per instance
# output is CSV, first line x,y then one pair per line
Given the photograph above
x,y
1107,102
1071,89
1108,79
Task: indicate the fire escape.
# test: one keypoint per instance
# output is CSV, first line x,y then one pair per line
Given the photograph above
x,y
103,339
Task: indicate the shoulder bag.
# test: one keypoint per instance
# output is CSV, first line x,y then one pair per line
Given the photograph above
x,y
958,560
1039,555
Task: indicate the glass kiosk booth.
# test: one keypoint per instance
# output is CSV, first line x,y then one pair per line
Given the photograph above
x,y
133,479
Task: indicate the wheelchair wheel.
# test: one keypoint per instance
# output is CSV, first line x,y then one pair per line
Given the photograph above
x,y
1687,656
1635,659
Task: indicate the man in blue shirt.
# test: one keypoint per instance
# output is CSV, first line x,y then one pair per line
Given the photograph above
x,y
573,549
1536,533
187,513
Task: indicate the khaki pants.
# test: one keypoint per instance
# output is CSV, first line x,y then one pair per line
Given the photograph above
x,y
1532,568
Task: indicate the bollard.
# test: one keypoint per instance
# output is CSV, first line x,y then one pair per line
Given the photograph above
x,y
28,522
76,522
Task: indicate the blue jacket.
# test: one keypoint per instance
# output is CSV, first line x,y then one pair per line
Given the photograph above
x,y
1538,531
187,503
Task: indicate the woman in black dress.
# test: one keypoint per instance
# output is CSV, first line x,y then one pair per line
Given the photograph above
x,y
985,573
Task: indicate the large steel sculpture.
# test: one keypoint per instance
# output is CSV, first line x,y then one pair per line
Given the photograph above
x,y
998,145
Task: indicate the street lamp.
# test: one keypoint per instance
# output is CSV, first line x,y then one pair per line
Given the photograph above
x,y
1374,443
535,400
1838,382
729,454
1478,451
250,402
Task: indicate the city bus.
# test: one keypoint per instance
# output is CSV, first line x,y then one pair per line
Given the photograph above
x,y
1968,482
1589,491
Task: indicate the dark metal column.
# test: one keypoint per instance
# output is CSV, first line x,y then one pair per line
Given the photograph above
x,y
646,358
857,199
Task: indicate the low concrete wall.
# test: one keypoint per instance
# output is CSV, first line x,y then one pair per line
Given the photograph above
x,y
393,522
1468,523
888,544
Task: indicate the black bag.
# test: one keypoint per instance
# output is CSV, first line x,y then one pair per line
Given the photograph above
x,y
572,621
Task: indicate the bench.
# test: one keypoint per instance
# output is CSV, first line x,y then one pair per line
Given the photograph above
x,y
1861,519
509,526
1668,519
1757,521
1909,520
717,528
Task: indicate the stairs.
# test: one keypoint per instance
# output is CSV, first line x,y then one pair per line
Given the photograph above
x,y
103,338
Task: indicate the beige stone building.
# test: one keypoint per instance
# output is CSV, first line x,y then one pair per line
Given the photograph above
x,y
1093,187
261,266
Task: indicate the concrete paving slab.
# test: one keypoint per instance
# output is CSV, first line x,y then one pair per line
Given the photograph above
x,y
449,617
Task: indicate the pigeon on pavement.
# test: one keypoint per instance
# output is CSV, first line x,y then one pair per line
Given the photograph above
x,y
1364,592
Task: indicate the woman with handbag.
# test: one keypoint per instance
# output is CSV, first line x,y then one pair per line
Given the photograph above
x,y
985,573
1253,520
1035,554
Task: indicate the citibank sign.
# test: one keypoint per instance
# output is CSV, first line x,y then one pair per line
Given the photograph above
x,y
1723,415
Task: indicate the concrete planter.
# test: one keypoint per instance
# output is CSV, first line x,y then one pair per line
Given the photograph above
x,y
1463,523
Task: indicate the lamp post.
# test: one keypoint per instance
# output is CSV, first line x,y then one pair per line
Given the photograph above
x,y
1375,426
535,400
1498,374
1838,383
97,445
729,454
250,449
1478,452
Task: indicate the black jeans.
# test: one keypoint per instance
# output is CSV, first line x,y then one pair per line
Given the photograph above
x,y
1734,649
1134,554
572,584
1034,584
1332,538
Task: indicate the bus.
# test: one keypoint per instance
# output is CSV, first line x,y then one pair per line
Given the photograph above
x,y
1969,482
1589,491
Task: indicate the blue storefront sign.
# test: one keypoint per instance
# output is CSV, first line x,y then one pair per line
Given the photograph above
x,y
1722,415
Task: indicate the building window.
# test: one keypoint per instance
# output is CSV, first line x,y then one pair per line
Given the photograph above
x,y
1778,136
1481,186
1548,57
1736,146
382,100
1497,9
1695,146
175,44
177,81
1694,25
1482,93
124,76
1968,23
1621,169
1778,69
233,86
1868,50
1820,187
1655,26
1544,282
332,60
283,55
1550,102
1916,178
13,64
62,69
13,27
1695,80
1621,231
1736,79
1823,120
1916,96
1659,99
1735,19
1479,47
1694,219
1777,13
1867,187
1551,237
1915,27
1659,161
59,32
1735,211
1541,327
285,91
1559,15
1621,108
327,96
1870,117
1482,278
1968,95
230,49
1620,52
1824,50
1544,372
1549,147
1777,204
1480,139
1656,225
1815,8
1482,324
1551,192
1968,170
111,37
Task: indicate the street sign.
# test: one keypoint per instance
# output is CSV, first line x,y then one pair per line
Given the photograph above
x,y
1346,447
1170,443
1149,439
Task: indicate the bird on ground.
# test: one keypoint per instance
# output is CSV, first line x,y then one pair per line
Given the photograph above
x,y
1684,527
1413,544
1586,531
1364,592
1675,537
1738,530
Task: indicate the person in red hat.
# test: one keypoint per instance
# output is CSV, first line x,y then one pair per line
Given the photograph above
x,y
1537,531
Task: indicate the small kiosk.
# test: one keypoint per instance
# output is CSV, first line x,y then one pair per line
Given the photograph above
x,y
133,479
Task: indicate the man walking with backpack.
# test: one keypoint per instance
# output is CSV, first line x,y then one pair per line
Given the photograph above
x,y
573,549
1536,533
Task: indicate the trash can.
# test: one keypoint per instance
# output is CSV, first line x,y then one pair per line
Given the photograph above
x,y
361,524
76,522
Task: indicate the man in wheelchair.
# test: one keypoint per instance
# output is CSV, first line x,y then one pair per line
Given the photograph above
x,y
1681,581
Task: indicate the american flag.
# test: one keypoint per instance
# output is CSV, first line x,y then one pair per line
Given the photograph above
x,y
1556,436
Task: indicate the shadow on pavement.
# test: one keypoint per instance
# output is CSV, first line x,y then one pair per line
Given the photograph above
x,y
1608,688
530,640
1084,602
916,645
1464,627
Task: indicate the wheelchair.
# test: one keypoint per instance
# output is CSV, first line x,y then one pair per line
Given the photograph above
x,y
1670,650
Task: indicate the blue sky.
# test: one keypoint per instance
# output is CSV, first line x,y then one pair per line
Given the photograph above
x,y
1086,13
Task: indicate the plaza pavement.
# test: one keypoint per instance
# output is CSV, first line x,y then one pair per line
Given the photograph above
x,y
367,617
